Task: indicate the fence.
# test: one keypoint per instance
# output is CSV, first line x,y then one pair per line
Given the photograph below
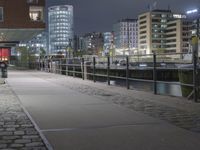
x,y
153,68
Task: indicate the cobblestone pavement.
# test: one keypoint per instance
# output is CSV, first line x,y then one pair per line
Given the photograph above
x,y
184,114
17,132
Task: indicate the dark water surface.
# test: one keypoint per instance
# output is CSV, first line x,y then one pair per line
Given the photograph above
x,y
162,88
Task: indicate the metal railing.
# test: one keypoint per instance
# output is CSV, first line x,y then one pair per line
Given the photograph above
x,y
124,67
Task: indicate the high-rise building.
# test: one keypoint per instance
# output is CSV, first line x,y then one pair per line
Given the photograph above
x,y
60,28
163,31
126,36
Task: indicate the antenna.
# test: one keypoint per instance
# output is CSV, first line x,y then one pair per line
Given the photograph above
x,y
168,7
155,5
149,7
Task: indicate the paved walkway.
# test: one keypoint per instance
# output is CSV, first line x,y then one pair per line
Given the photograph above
x,y
80,115
17,132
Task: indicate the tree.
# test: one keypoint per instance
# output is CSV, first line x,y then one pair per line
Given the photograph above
x,y
23,57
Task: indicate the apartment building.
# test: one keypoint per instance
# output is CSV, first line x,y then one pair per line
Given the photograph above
x,y
178,36
163,31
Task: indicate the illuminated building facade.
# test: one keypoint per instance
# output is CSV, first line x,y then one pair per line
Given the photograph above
x,y
108,43
163,31
126,36
60,28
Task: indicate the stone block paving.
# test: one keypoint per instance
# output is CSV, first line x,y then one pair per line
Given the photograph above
x,y
189,120
17,132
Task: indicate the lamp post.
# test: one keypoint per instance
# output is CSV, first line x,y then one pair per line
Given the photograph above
x,y
194,15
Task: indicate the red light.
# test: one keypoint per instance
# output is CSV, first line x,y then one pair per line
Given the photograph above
x,y
4,54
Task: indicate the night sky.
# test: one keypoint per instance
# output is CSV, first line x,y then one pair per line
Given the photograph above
x,y
99,15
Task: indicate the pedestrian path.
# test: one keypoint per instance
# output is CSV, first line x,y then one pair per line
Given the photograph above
x,y
80,115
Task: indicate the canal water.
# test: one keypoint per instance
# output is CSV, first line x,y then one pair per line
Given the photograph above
x,y
162,88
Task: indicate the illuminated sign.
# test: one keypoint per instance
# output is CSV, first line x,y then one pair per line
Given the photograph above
x,y
4,54
192,11
179,16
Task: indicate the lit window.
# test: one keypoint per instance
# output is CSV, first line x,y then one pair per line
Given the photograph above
x,y
1,13
36,13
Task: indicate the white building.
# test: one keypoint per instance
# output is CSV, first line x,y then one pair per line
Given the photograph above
x,y
60,28
126,36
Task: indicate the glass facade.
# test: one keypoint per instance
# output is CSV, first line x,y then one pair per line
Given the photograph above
x,y
60,28
108,42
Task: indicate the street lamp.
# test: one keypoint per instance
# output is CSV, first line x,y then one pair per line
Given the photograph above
x,y
194,15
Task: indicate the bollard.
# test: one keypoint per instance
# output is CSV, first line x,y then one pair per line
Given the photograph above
x,y
3,67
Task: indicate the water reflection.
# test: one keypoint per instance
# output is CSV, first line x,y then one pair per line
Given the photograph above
x,y
162,88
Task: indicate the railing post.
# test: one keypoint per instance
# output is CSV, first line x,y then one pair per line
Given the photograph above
x,y
94,68
82,68
195,70
73,62
127,73
51,66
108,70
154,73
66,66
60,64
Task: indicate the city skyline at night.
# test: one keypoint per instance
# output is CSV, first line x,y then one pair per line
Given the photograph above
x,y
90,15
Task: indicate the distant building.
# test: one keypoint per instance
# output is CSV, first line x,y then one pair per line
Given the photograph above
x,y
78,45
37,44
163,31
126,36
93,43
20,20
108,43
60,28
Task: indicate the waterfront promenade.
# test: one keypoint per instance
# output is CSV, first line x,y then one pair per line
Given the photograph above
x,y
69,113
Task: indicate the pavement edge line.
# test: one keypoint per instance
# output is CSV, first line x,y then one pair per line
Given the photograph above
x,y
46,142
